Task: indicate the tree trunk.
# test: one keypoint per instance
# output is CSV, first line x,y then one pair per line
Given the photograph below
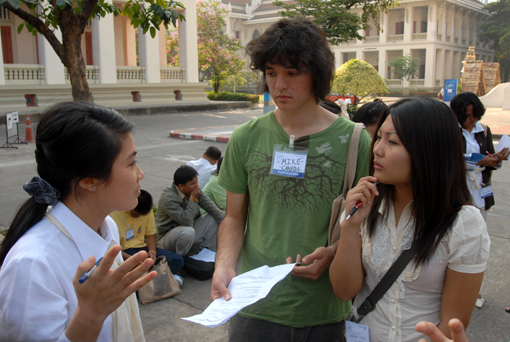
x,y
73,57
216,85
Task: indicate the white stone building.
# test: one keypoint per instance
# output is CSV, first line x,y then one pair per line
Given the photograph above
x,y
437,32
32,74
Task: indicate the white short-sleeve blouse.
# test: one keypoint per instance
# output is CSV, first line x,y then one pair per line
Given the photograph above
x,y
37,297
416,295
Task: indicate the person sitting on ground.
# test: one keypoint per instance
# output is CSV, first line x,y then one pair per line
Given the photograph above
x,y
216,192
178,217
86,161
137,231
206,165
369,115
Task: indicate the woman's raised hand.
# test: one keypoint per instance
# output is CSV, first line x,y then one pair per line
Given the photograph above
x,y
364,192
105,290
456,329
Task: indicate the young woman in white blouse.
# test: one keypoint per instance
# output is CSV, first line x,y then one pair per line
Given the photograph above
x,y
421,197
86,160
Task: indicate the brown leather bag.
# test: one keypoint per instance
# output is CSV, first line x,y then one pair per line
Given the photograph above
x,y
163,286
349,176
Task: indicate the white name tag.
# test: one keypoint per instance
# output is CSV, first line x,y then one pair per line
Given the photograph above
x,y
289,162
486,191
356,332
130,234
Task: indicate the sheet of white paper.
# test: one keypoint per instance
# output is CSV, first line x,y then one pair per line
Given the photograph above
x,y
503,142
246,289
205,255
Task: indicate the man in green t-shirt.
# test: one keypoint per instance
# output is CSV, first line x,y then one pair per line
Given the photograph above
x,y
287,167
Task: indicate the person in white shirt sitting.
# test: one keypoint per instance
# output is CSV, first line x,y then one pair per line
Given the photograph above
x,y
86,161
206,165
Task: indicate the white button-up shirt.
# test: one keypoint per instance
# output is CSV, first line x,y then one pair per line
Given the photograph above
x,y
37,297
473,147
416,294
204,169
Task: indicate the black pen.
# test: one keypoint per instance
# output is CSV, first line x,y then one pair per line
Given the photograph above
x,y
89,272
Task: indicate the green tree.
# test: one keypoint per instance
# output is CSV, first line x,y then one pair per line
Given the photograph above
x,y
495,30
217,52
172,48
405,67
358,78
334,17
71,17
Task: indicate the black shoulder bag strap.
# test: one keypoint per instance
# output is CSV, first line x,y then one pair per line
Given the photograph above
x,y
384,284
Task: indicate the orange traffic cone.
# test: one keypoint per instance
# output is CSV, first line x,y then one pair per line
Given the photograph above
x,y
29,136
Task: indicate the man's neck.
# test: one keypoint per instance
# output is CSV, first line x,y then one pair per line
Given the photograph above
x,y
306,121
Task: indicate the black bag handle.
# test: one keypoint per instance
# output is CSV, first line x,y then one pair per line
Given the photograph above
x,y
385,283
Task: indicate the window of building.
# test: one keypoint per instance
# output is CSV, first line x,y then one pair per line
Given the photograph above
x,y
256,34
238,34
7,44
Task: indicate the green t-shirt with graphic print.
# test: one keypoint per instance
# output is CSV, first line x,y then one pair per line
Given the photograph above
x,y
290,216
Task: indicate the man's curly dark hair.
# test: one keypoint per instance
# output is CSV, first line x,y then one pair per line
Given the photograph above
x,y
296,43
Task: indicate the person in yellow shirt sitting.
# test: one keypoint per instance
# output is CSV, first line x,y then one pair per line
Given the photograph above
x,y
137,231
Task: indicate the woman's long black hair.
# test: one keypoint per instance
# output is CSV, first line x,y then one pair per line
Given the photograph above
x,y
430,133
74,140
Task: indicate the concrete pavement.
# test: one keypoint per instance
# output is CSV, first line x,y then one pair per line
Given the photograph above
x,y
496,118
159,155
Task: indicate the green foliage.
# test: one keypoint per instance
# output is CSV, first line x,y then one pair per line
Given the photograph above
x,y
357,77
495,30
147,17
172,48
217,52
405,66
335,18
352,109
226,96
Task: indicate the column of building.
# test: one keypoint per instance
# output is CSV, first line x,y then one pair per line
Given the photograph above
x,y
103,48
188,50
430,52
408,30
382,40
2,72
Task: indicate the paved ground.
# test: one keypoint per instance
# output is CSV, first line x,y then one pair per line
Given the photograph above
x,y
159,155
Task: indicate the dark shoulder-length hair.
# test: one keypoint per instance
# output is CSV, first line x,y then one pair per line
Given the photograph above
x,y
460,103
74,140
430,133
296,43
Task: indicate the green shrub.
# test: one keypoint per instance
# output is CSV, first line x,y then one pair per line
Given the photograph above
x,y
226,96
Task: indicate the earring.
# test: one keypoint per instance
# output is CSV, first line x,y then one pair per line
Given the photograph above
x,y
94,188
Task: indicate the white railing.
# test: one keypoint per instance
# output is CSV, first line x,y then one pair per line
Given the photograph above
x,y
92,72
417,82
172,74
438,83
24,73
395,37
371,39
130,74
393,82
419,36
448,39
456,40
439,36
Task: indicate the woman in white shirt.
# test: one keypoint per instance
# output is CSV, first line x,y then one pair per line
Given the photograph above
x,y
421,198
85,158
